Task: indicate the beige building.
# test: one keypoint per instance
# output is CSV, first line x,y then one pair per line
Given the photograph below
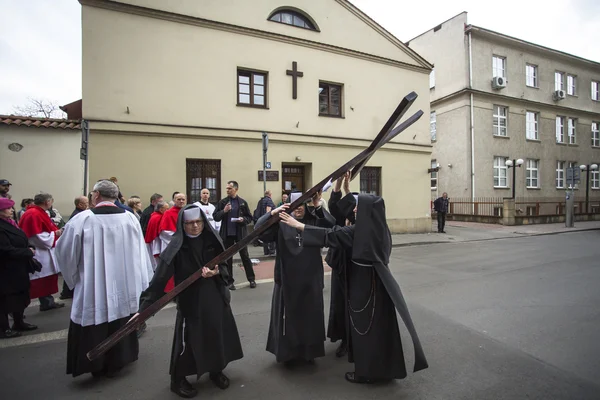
x,y
496,98
42,155
178,94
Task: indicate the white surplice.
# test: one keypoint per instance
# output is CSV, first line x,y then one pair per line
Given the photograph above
x,y
154,249
44,253
209,210
104,258
165,238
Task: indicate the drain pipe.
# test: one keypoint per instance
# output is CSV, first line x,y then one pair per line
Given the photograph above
x,y
472,123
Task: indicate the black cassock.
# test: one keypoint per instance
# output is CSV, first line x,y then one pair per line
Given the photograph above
x,y
297,327
373,295
206,338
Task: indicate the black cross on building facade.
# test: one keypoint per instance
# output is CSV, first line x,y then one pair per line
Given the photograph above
x,y
295,74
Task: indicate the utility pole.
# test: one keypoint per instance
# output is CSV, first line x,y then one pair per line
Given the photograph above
x,y
265,147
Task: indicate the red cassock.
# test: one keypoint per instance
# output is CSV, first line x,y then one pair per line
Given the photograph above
x,y
169,223
34,222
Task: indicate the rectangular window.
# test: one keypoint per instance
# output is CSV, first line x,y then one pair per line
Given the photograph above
x,y
202,174
531,75
500,120
498,66
252,88
434,175
571,85
596,90
432,126
595,179
595,134
498,211
560,174
330,99
500,171
572,164
531,127
572,130
370,180
559,81
532,177
432,79
560,129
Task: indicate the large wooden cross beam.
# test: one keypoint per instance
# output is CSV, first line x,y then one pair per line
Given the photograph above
x,y
387,133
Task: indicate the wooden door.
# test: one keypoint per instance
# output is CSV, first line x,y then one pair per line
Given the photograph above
x,y
292,178
202,174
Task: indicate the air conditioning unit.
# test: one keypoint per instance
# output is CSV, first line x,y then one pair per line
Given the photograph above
x,y
559,95
498,82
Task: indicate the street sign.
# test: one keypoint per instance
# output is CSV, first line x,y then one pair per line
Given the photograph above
x,y
573,175
268,165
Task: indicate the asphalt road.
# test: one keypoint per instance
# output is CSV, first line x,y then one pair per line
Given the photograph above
x,y
500,319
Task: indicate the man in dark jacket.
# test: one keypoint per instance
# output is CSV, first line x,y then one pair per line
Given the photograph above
x,y
145,218
440,205
234,214
266,206
81,204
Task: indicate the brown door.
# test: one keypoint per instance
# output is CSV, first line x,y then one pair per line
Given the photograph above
x,y
202,174
293,178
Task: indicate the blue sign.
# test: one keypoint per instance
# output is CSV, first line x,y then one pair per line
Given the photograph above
x,y
268,165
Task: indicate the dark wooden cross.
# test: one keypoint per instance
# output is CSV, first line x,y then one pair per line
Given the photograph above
x,y
387,133
295,74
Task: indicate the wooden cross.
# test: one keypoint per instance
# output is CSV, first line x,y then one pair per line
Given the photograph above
x,y
295,74
387,133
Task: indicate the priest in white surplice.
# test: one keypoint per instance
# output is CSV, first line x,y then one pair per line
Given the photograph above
x,y
105,261
208,208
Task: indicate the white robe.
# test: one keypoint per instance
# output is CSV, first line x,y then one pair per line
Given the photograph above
x,y
104,258
44,253
154,249
165,238
209,211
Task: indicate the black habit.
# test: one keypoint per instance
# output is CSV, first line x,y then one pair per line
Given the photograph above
x,y
297,326
15,266
206,338
373,295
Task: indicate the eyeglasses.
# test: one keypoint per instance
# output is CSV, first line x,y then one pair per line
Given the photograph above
x,y
192,223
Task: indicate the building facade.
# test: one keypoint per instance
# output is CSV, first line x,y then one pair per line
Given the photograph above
x,y
178,95
496,98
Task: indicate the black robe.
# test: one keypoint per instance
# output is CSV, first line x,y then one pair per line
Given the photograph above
x,y
373,295
297,326
206,338
15,266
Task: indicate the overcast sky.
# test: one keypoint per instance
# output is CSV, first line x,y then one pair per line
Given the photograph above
x,y
40,40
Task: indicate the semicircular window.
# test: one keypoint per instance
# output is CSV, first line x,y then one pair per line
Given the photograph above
x,y
294,18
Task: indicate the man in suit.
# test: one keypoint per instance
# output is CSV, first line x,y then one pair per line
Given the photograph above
x,y
440,205
234,214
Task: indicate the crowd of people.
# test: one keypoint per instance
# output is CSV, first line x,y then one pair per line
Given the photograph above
x,y
129,257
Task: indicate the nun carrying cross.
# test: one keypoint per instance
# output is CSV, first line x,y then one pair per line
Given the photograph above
x,y
297,327
206,336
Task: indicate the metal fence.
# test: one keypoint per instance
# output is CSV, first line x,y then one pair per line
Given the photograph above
x,y
481,206
546,206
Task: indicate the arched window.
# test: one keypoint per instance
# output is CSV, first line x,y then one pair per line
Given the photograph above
x,y
293,17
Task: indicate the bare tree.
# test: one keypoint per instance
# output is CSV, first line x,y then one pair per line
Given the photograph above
x,y
39,108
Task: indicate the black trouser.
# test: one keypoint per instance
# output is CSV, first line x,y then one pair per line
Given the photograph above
x,y
441,216
230,241
17,318
66,292
268,248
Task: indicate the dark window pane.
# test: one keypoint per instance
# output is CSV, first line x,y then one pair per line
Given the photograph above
x,y
323,109
276,17
334,110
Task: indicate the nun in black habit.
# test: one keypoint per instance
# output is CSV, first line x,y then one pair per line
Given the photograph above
x,y
206,337
373,295
297,327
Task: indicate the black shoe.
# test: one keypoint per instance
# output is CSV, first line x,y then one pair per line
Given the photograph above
x,y
443,231
350,377
141,330
9,334
23,327
99,374
111,373
183,389
65,296
273,254
220,380
342,350
52,306
232,287
252,284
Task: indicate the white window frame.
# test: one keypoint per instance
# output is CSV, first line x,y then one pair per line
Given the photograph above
x,y
572,130
559,80
560,129
532,177
497,118
531,75
560,174
532,125
595,89
500,172
433,126
432,79
498,66
572,164
434,175
595,179
595,134
571,85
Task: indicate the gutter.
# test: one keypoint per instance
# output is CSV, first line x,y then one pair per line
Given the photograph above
x,y
472,117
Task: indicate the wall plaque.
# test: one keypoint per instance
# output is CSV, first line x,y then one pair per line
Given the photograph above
x,y
272,176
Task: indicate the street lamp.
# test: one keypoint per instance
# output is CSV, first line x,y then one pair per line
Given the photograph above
x,y
514,164
587,168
